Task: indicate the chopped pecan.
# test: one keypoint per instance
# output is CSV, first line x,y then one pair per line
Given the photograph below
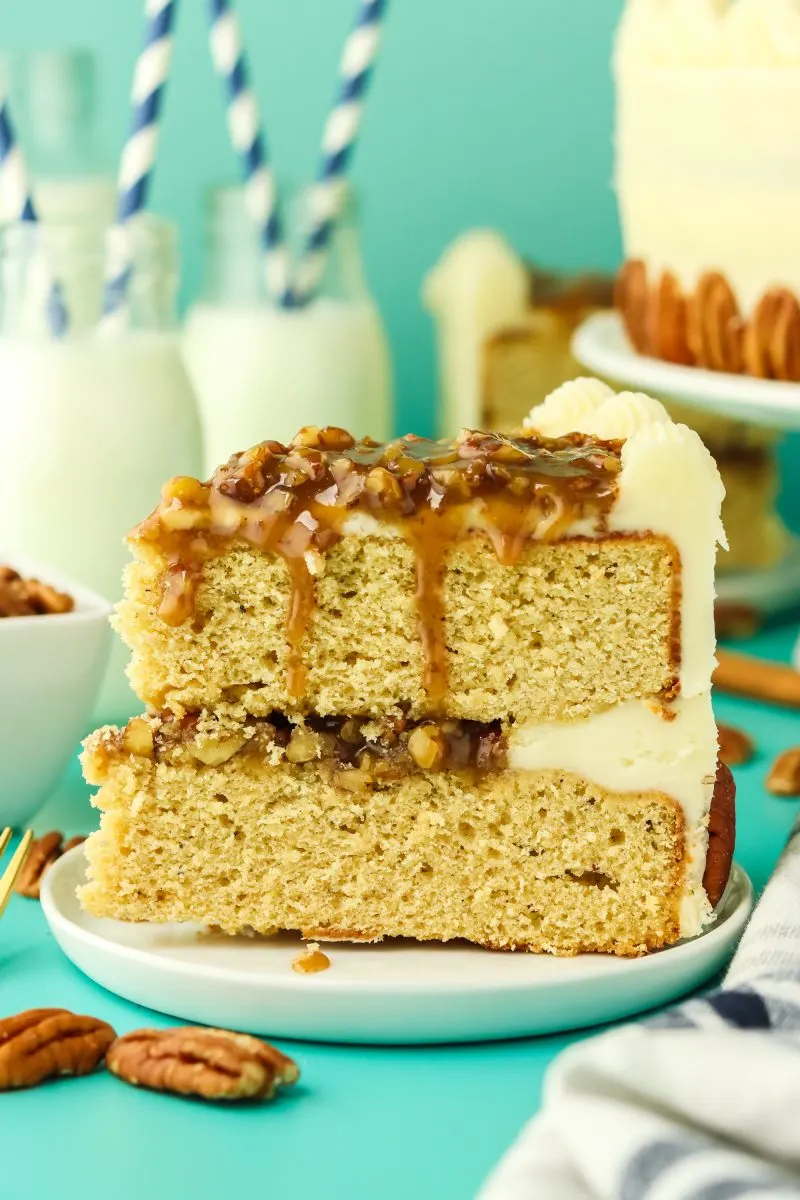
x,y
30,597
137,738
427,746
735,746
43,853
784,775
216,751
192,1061
44,1042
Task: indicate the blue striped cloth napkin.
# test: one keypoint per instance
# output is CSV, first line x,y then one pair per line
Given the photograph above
x,y
699,1103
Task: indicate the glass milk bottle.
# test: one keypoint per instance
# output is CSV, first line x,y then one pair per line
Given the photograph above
x,y
261,371
91,425
53,97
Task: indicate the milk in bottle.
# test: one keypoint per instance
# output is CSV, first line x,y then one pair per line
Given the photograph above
x,y
261,371
90,426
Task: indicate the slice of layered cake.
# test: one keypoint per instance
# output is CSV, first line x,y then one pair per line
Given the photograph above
x,y
436,690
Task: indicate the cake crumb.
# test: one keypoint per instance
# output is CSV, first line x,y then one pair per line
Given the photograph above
x,y
497,627
311,960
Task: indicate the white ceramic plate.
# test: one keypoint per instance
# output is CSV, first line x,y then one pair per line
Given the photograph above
x,y
602,345
390,993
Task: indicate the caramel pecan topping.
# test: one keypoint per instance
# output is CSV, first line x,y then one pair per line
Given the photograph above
x,y
30,597
44,1042
215,1064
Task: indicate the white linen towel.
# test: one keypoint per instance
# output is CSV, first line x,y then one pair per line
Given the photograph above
x,y
699,1103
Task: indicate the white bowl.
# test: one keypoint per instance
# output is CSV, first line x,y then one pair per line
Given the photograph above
x,y
50,670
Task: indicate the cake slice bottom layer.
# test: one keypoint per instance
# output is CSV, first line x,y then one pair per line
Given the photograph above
x,y
545,861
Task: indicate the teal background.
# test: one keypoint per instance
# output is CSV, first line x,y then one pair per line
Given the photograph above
x,y
481,113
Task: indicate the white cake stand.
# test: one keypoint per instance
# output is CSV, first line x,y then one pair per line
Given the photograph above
x,y
602,345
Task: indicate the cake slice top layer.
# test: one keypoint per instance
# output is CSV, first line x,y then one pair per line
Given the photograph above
x,y
536,577
296,501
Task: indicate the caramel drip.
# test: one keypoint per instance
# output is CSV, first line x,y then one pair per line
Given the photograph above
x,y
431,543
179,594
294,502
301,606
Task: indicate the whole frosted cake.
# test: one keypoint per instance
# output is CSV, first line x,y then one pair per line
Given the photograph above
x,y
707,154
438,690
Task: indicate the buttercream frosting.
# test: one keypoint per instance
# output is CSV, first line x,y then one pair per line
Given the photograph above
x,y
669,484
700,33
478,287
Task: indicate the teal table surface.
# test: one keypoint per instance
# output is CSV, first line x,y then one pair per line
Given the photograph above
x,y
365,1121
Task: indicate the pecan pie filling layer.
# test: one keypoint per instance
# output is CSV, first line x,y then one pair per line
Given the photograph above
x,y
359,752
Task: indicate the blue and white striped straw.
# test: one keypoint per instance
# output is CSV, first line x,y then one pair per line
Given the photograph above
x,y
249,140
138,156
15,188
328,194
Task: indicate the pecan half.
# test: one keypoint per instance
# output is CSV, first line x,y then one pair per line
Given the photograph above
x,y
714,331
43,853
631,298
215,1064
721,835
44,1042
668,335
784,342
784,775
735,746
30,597
736,620
772,337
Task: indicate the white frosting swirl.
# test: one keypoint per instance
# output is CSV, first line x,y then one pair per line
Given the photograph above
x,y
568,407
691,33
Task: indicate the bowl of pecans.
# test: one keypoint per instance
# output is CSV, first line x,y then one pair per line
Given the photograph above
x,y
54,640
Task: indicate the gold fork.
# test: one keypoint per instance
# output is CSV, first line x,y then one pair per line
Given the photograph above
x,y
9,876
